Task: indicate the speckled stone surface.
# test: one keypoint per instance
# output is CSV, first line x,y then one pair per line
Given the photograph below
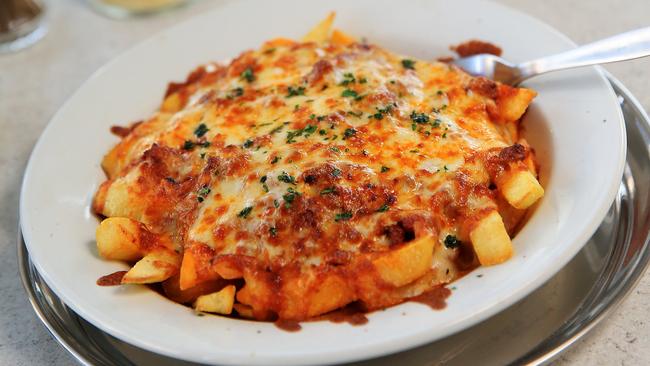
x,y
35,83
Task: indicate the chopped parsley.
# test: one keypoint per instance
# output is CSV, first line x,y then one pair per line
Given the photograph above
x,y
336,172
275,159
348,78
309,130
188,145
248,75
248,143
322,132
245,212
237,92
276,203
202,193
356,114
286,178
312,116
408,64
383,208
295,91
201,130
273,231
419,117
384,169
349,132
335,149
343,216
278,128
328,190
383,111
436,122
452,242
170,180
289,197
349,93
363,81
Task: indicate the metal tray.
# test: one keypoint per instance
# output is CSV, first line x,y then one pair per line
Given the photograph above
x,y
533,331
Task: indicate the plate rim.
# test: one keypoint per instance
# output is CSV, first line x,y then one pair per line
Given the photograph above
x,y
376,349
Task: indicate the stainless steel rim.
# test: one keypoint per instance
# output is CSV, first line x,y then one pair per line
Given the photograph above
x,y
627,261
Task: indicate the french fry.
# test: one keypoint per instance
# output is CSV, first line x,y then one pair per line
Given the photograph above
x,y
491,242
332,293
520,188
406,264
172,103
220,302
321,32
188,276
244,311
154,267
118,238
341,38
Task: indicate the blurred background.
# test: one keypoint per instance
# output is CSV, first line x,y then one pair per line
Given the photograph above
x,y
48,49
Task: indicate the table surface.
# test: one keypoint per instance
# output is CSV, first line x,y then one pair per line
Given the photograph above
x,y
34,83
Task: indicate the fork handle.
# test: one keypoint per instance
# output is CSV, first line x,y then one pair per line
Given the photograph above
x,y
625,46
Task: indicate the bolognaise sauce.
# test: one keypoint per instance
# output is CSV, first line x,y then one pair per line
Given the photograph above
x,y
288,325
434,298
112,279
476,47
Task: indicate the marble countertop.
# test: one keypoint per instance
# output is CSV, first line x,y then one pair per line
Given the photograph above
x,y
34,83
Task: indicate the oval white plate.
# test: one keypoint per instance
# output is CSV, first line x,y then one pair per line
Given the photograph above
x,y
575,125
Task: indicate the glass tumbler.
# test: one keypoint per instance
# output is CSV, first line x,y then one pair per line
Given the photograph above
x,y
22,23
126,8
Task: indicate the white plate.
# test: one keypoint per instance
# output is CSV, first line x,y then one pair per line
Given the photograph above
x,y
574,124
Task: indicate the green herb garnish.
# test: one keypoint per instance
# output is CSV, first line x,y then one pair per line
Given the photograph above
x,y
419,117
383,208
188,145
286,178
248,75
408,64
349,132
201,130
328,190
452,242
245,212
343,216
295,91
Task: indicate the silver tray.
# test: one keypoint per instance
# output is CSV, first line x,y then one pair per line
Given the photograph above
x,y
533,331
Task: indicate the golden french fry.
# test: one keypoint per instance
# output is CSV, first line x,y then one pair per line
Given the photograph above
x,y
154,267
320,33
220,302
491,242
341,38
172,103
119,198
521,189
188,277
332,293
118,238
244,311
406,264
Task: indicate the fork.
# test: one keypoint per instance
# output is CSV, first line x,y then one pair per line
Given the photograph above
x,y
624,46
